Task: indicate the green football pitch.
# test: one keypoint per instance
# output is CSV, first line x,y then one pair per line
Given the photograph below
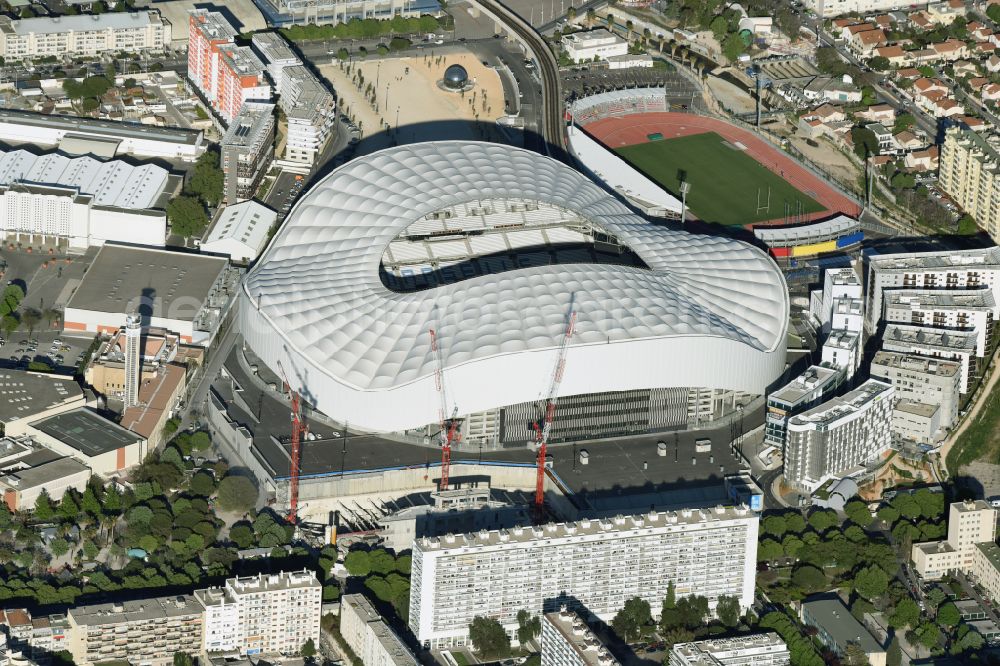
x,y
727,185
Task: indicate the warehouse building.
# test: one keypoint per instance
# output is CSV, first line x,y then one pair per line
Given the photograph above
x,y
30,396
118,138
247,150
102,445
710,552
75,203
186,294
240,231
837,437
27,469
82,34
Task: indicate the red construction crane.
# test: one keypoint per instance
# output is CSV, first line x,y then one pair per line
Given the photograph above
x,y
299,429
449,428
551,398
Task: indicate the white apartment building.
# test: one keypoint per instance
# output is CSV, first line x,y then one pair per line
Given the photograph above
x,y
963,309
83,34
599,563
968,171
969,524
842,349
308,104
273,613
247,150
921,380
985,569
831,8
805,391
593,44
945,270
840,303
372,640
323,12
765,649
957,346
837,437
568,641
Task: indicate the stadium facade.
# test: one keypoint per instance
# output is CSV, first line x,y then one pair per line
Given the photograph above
x,y
493,247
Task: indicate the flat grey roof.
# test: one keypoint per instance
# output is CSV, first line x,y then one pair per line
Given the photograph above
x,y
835,619
47,472
90,126
122,277
25,393
140,610
87,432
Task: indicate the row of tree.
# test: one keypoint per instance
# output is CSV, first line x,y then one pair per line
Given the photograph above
x,y
362,29
188,213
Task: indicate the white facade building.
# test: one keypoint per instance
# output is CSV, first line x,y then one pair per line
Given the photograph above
x,y
840,435
599,563
923,381
831,8
273,613
833,305
83,34
240,231
957,346
969,523
593,44
368,635
568,641
133,366
765,649
959,309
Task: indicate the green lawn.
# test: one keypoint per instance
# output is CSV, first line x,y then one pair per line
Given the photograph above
x,y
725,181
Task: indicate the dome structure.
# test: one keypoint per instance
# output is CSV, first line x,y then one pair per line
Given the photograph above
x,y
455,77
692,311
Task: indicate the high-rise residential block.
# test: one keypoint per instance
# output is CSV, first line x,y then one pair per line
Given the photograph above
x,y
83,34
599,563
568,641
247,150
921,380
273,613
969,171
765,649
365,632
839,435
969,523
954,309
946,345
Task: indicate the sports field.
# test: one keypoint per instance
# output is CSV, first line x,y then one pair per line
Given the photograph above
x,y
727,185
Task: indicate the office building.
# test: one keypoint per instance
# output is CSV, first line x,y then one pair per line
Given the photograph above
x,y
264,614
968,172
922,381
247,150
568,641
226,74
240,231
804,392
837,437
308,105
368,635
593,45
939,271
945,345
143,631
969,523
186,294
325,12
600,564
27,469
765,649
75,203
837,629
83,34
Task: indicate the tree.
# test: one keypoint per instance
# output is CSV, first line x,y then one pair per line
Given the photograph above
x,y
888,514
628,622
183,659
903,122
207,179
358,563
187,216
90,502
795,523
905,614
858,512
949,616
732,47
381,562
202,484
489,638
865,142
9,324
692,611
993,12
775,525
30,318
173,456
855,655
907,506
308,650
43,506
769,550
931,504
728,610
59,547
809,579
200,441
528,626
242,535
879,63
871,582
237,494
719,27
792,545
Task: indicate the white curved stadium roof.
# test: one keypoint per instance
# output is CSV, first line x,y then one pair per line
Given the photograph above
x,y
707,312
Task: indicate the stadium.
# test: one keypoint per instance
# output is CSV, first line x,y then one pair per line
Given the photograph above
x,y
494,247
639,143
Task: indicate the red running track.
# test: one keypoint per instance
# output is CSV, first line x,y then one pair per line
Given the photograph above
x,y
632,129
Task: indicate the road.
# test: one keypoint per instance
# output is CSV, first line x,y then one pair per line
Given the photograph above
x,y
217,356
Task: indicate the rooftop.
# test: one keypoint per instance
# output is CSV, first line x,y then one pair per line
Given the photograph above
x,y
850,403
139,611
842,277
928,338
304,97
43,474
807,233
992,553
162,283
909,262
577,635
921,409
914,363
241,60
715,652
805,385
251,125
82,22
247,222
213,25
155,396
391,644
87,432
587,527
592,38
941,299
842,339
91,127
23,394
272,47
836,620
